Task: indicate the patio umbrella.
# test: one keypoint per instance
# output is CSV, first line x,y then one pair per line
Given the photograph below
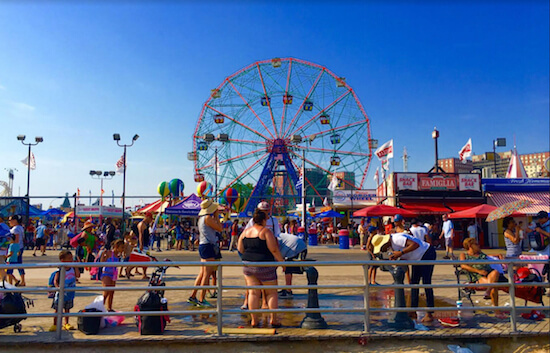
x,y
382,210
474,212
331,214
508,209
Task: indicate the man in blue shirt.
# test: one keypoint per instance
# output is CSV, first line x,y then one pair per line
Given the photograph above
x,y
40,238
448,233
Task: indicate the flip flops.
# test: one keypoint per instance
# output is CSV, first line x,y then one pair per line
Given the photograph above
x,y
533,315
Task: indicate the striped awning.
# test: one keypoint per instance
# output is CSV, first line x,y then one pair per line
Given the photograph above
x,y
540,200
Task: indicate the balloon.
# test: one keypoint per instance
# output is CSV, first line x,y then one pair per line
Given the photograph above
x,y
163,189
176,187
223,201
204,189
231,195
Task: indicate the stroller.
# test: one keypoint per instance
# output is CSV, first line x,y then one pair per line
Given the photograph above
x,y
153,300
13,303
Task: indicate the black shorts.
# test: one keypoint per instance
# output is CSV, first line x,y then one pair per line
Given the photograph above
x,y
209,251
40,241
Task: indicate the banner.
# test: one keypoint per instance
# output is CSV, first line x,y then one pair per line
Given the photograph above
x,y
466,151
26,162
355,198
120,165
407,181
384,153
469,182
437,182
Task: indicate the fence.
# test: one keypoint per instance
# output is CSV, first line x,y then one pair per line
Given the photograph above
x,y
367,310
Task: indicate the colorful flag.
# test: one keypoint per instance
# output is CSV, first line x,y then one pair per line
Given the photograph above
x,y
466,151
384,153
333,183
325,202
33,162
120,165
299,183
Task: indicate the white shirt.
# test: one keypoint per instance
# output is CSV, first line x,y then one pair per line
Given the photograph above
x,y
472,231
419,232
447,227
271,223
399,242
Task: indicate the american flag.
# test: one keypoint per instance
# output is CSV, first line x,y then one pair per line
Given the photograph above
x,y
120,165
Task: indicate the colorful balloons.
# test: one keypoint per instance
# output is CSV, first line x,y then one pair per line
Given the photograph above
x,y
231,195
204,189
176,188
163,189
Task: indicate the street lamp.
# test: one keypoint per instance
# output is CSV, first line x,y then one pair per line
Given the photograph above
x,y
436,167
116,137
98,174
209,138
499,142
37,140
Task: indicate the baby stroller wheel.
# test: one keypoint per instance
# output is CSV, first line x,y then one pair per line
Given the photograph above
x,y
17,328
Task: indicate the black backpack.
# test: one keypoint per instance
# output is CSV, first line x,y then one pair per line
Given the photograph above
x,y
536,241
151,325
89,325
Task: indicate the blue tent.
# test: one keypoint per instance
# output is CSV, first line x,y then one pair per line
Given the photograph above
x,y
54,212
189,207
19,207
331,214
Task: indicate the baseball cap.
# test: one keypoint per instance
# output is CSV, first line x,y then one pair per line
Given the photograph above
x,y
542,214
372,229
397,218
264,206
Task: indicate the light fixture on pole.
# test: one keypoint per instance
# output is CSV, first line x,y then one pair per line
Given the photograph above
x,y
436,168
209,138
37,140
116,137
499,142
98,174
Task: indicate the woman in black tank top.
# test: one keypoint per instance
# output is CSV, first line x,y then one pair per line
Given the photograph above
x,y
258,244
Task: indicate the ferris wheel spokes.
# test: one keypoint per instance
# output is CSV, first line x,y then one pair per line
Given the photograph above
x,y
286,92
249,107
268,101
238,122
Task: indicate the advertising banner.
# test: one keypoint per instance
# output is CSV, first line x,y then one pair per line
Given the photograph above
x,y
469,182
437,182
357,198
407,181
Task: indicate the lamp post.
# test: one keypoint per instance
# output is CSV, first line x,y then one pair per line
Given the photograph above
x,y
436,168
37,140
499,142
116,137
209,138
98,174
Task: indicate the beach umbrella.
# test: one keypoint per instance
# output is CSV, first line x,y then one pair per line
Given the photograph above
x,y
508,209
163,189
176,188
382,210
331,214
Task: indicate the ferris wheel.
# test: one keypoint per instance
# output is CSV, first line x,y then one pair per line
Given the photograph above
x,y
261,122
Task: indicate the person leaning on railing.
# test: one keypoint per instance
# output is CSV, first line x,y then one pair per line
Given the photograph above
x,y
480,273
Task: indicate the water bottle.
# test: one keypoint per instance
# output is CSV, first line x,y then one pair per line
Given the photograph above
x,y
459,306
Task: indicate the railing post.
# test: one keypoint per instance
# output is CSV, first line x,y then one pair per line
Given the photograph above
x,y
60,301
512,292
219,300
366,299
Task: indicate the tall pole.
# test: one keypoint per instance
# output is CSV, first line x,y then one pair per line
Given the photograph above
x,y
436,156
216,174
495,158
124,192
304,190
28,185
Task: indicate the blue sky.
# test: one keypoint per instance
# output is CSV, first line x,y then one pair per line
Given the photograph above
x,y
75,73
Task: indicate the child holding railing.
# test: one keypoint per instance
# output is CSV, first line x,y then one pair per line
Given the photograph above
x,y
71,275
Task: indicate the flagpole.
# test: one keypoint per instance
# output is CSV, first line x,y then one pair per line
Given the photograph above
x,y
304,189
28,185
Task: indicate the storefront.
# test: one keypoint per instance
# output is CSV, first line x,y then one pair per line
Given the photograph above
x,y
432,195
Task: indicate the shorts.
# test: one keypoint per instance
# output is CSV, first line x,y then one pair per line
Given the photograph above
x,y
67,304
449,242
179,237
40,241
370,258
209,251
262,274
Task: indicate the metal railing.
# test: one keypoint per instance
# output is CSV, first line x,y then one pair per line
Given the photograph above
x,y
367,310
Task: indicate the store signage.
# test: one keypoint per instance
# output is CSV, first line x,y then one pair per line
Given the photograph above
x,y
96,211
469,182
437,182
355,198
406,181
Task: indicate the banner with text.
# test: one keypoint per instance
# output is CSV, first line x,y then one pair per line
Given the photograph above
x,y
355,198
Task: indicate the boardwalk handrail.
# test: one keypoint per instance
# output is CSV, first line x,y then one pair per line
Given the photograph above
x,y
219,311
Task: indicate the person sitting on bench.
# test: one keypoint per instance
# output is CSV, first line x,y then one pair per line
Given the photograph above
x,y
480,273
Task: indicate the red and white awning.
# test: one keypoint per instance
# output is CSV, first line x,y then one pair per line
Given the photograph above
x,y
540,200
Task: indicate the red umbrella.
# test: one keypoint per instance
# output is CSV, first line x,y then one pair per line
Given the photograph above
x,y
481,211
382,210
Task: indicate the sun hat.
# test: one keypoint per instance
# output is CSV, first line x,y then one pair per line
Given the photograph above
x,y
397,218
208,207
264,206
378,241
87,225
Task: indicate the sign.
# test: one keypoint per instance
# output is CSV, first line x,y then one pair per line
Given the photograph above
x,y
469,182
517,184
359,198
437,182
407,181
96,211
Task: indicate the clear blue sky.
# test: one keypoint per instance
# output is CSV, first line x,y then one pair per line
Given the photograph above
x,y
77,73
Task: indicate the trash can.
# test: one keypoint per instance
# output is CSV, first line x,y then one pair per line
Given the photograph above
x,y
343,234
312,237
301,233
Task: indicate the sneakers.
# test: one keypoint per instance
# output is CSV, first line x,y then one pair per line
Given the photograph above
x,y
213,295
205,304
446,257
68,327
285,294
194,301
53,328
450,321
